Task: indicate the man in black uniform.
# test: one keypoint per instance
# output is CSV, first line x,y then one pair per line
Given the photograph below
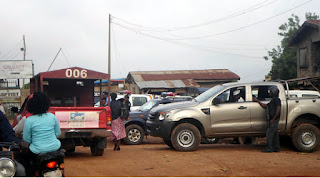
x,y
7,134
6,131
274,109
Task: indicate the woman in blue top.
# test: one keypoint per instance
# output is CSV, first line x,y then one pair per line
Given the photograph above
x,y
41,130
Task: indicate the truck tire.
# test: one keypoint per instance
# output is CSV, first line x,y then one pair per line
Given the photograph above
x,y
210,140
71,150
97,147
186,137
135,135
248,140
168,142
306,137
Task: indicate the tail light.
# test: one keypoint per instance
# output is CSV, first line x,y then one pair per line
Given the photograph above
x,y
51,164
108,118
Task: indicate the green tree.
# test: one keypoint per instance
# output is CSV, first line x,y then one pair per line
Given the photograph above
x,y
284,58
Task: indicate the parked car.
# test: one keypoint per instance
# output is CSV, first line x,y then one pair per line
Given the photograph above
x,y
215,114
136,100
136,125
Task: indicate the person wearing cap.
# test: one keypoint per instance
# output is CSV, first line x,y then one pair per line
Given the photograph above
x,y
126,103
273,115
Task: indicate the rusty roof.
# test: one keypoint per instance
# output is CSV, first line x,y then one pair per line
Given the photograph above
x,y
309,24
166,84
315,22
187,76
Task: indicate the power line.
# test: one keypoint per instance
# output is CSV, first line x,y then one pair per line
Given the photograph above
x,y
65,57
206,36
117,52
16,54
252,8
11,50
184,44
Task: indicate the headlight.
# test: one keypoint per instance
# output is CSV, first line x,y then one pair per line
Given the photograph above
x,y
164,115
7,167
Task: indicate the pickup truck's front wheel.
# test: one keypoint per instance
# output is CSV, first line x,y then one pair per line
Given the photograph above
x,y
306,138
185,137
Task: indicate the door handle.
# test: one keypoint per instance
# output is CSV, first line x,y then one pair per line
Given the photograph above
x,y
242,107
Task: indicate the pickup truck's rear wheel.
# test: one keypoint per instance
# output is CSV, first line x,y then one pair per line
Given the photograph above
x,y
97,147
306,137
185,137
71,150
135,135
168,142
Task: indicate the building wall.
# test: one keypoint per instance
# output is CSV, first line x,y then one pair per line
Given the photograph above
x,y
311,43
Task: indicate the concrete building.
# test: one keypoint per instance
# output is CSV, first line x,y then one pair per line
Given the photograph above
x,y
182,82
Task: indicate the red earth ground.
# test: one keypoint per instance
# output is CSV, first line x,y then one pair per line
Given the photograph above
x,y
153,159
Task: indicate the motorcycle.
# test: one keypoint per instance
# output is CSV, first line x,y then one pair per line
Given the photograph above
x,y
9,166
49,164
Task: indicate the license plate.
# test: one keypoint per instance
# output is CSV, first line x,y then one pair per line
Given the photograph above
x,y
56,173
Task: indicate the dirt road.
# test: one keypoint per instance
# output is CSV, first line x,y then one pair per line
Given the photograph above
x,y
154,158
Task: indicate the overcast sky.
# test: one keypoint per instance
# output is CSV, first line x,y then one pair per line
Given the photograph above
x,y
148,35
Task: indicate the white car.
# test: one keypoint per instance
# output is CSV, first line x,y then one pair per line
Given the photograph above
x,y
303,94
136,100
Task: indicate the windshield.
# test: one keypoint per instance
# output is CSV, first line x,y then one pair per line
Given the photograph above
x,y
148,105
209,93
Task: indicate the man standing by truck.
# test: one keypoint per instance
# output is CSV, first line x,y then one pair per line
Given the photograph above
x,y
273,115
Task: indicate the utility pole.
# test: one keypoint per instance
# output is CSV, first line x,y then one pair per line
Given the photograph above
x,y
24,56
109,63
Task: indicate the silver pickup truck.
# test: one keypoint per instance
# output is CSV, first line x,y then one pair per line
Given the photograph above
x,y
219,113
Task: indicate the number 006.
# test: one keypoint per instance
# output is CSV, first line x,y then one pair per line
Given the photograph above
x,y
76,73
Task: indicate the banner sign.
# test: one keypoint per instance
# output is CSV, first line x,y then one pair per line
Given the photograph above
x,y
16,69
11,95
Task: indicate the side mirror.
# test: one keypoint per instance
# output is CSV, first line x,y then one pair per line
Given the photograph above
x,y
217,101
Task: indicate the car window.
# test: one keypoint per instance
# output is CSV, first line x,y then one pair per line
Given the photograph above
x,y
209,93
138,101
310,96
232,95
293,96
261,92
148,105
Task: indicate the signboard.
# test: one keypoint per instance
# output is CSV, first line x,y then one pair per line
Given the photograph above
x,y
8,96
84,119
16,69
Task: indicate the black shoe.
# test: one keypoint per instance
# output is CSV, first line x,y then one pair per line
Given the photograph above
x,y
115,147
266,151
118,149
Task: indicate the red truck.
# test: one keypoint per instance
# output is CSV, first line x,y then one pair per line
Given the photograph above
x,y
71,92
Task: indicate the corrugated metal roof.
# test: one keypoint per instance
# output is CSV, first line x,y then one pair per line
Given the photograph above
x,y
166,84
210,74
